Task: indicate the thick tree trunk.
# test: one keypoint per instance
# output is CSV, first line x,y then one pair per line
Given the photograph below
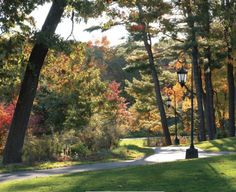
x,y
209,101
209,97
230,78
199,91
227,6
15,140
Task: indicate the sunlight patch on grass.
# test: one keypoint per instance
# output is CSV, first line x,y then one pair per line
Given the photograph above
x,y
199,175
226,144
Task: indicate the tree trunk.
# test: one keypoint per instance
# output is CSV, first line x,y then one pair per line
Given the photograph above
x,y
199,92
230,78
209,96
209,101
148,47
197,72
159,97
15,140
227,5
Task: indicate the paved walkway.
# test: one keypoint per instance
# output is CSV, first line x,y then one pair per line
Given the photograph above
x,y
162,154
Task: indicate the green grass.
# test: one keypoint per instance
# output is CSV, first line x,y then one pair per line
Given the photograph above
x,y
226,144
201,175
127,150
133,141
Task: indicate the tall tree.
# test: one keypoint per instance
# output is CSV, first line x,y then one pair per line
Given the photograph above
x,y
146,37
204,13
229,8
44,39
188,8
15,140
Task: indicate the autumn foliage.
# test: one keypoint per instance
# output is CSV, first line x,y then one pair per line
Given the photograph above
x,y
137,28
6,114
113,95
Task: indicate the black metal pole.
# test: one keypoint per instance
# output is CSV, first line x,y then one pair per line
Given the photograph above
x,y
192,152
176,128
192,115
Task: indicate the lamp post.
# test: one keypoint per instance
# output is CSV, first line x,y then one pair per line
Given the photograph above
x,y
192,152
176,140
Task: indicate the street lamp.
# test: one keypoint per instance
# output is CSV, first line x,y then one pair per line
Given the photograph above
x,y
192,152
168,102
182,76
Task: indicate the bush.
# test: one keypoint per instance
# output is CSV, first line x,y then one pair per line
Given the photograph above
x,y
80,151
41,149
47,147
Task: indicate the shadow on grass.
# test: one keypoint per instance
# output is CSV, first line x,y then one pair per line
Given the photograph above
x,y
226,144
201,175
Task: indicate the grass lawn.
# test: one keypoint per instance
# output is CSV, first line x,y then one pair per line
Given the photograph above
x,y
127,150
201,175
226,144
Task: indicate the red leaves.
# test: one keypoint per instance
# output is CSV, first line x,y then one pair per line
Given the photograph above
x,y
113,95
137,27
6,114
114,91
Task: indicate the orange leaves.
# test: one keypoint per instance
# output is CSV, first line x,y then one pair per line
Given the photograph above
x,y
178,64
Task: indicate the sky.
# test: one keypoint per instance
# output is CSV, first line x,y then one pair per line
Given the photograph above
x,y
115,35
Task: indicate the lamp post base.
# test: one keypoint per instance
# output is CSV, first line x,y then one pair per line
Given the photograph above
x,y
176,141
191,153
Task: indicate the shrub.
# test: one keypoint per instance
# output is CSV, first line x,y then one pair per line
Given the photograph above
x,y
80,151
41,149
44,148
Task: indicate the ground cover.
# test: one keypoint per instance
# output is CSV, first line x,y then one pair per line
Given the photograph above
x,y
200,175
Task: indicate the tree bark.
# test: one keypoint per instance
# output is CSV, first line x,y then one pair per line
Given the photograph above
x,y
16,135
160,106
158,95
199,91
230,68
209,96
209,101
197,72
230,79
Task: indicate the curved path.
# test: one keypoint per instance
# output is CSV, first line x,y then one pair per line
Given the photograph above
x,y
162,154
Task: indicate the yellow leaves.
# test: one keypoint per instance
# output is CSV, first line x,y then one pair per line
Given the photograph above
x,y
146,120
186,105
179,92
175,92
